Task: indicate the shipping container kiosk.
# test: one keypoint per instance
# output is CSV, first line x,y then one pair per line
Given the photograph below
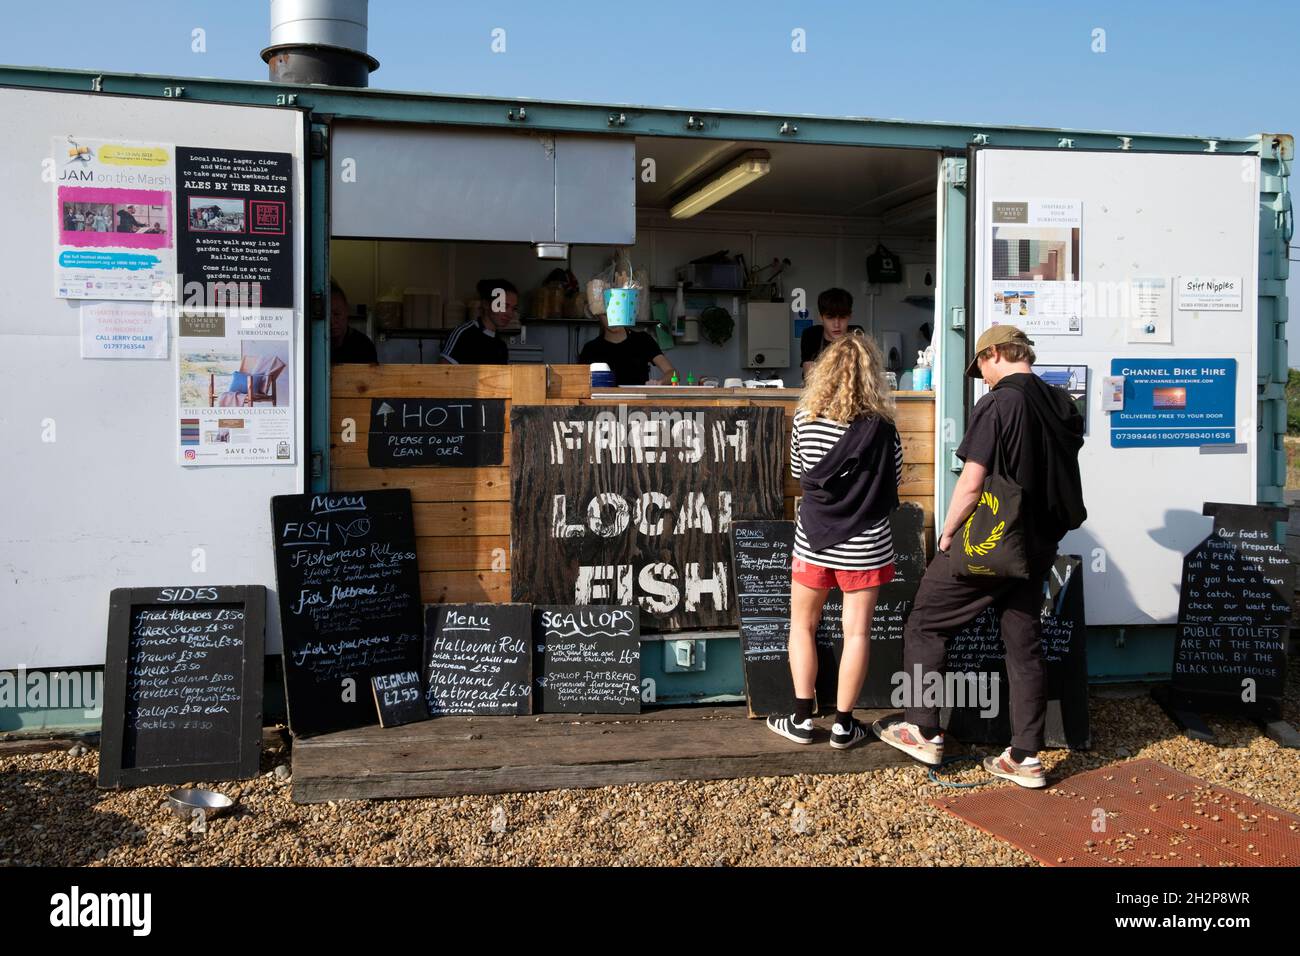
x,y
410,191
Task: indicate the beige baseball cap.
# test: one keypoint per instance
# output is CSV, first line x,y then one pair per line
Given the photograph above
x,y
997,335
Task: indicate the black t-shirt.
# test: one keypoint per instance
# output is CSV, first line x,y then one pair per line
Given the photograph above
x,y
814,340
1002,419
471,344
629,360
355,347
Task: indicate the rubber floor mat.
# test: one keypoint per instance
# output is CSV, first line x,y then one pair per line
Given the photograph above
x,y
1139,813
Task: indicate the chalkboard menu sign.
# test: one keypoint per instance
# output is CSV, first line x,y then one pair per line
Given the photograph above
x,y
182,685
350,604
477,659
976,669
622,505
399,698
1234,613
436,432
588,659
763,552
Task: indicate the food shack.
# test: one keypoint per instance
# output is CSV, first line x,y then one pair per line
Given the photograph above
x,y
1149,269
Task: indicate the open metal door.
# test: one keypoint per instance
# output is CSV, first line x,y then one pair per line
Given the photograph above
x,y
1142,266
107,452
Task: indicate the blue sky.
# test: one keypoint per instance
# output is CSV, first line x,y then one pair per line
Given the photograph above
x,y
1170,66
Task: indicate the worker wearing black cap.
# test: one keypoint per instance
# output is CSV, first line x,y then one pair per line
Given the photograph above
x,y
1030,433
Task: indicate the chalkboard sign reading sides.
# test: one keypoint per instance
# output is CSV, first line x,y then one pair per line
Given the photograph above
x,y
588,659
477,659
436,432
350,606
399,698
183,685
1234,614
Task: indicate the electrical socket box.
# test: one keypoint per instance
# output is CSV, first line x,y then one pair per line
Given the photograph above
x,y
766,334
685,655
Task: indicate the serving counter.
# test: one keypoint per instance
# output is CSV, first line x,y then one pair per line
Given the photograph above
x,y
462,515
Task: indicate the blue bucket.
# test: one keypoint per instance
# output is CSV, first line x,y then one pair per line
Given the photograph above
x,y
921,379
620,306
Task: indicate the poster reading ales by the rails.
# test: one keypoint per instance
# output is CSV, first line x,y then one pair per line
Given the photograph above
x,y
235,226
633,506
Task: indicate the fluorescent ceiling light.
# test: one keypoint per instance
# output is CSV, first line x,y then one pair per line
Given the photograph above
x,y
738,175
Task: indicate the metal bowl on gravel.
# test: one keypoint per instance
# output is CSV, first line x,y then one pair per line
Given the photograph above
x,y
185,800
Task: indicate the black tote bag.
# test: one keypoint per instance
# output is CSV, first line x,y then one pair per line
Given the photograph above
x,y
991,544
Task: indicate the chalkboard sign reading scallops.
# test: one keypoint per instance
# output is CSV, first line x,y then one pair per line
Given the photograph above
x,y
350,606
183,685
436,432
1234,615
477,659
619,505
588,659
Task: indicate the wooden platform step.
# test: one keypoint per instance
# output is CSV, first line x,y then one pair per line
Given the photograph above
x,y
453,756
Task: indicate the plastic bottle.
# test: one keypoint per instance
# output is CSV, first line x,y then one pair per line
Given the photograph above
x,y
673,379
690,378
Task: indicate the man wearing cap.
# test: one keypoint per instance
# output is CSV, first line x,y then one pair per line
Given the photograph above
x,y
1032,433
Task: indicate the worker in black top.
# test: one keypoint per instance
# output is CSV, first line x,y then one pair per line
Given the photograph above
x,y
628,352
478,342
835,306
346,343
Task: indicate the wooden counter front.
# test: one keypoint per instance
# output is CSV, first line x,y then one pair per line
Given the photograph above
x,y
462,515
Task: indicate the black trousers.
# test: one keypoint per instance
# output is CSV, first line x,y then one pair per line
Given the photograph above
x,y
945,604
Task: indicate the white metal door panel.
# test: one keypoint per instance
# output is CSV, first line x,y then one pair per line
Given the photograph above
x,y
1142,215
105,504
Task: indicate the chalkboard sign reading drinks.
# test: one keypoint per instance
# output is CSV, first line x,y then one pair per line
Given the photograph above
x,y
588,659
183,685
1234,613
976,687
350,604
399,698
477,659
436,432
762,557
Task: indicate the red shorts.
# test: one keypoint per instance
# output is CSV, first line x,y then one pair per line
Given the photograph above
x,y
815,576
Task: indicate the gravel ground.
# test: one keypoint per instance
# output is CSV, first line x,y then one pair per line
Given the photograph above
x,y
51,813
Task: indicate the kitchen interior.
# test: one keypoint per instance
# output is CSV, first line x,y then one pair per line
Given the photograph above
x,y
730,239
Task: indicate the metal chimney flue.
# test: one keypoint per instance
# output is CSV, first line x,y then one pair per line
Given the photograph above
x,y
319,41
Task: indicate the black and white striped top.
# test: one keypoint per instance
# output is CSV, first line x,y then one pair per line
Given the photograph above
x,y
873,548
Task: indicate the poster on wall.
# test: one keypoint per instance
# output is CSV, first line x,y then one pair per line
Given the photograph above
x,y
1149,315
113,219
1032,276
124,330
235,376
234,225
1175,403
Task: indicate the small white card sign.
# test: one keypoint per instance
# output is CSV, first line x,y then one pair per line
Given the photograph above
x,y
124,330
1209,294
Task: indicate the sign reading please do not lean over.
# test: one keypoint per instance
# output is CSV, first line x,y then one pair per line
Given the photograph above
x,y
634,506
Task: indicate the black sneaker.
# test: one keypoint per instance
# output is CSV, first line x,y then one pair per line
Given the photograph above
x,y
842,738
785,726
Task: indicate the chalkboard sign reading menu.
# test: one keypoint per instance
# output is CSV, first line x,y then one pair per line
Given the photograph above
x,y
477,659
977,671
1234,613
350,604
436,432
588,659
183,685
762,556
399,698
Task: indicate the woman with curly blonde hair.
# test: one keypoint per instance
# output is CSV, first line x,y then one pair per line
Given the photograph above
x,y
846,454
